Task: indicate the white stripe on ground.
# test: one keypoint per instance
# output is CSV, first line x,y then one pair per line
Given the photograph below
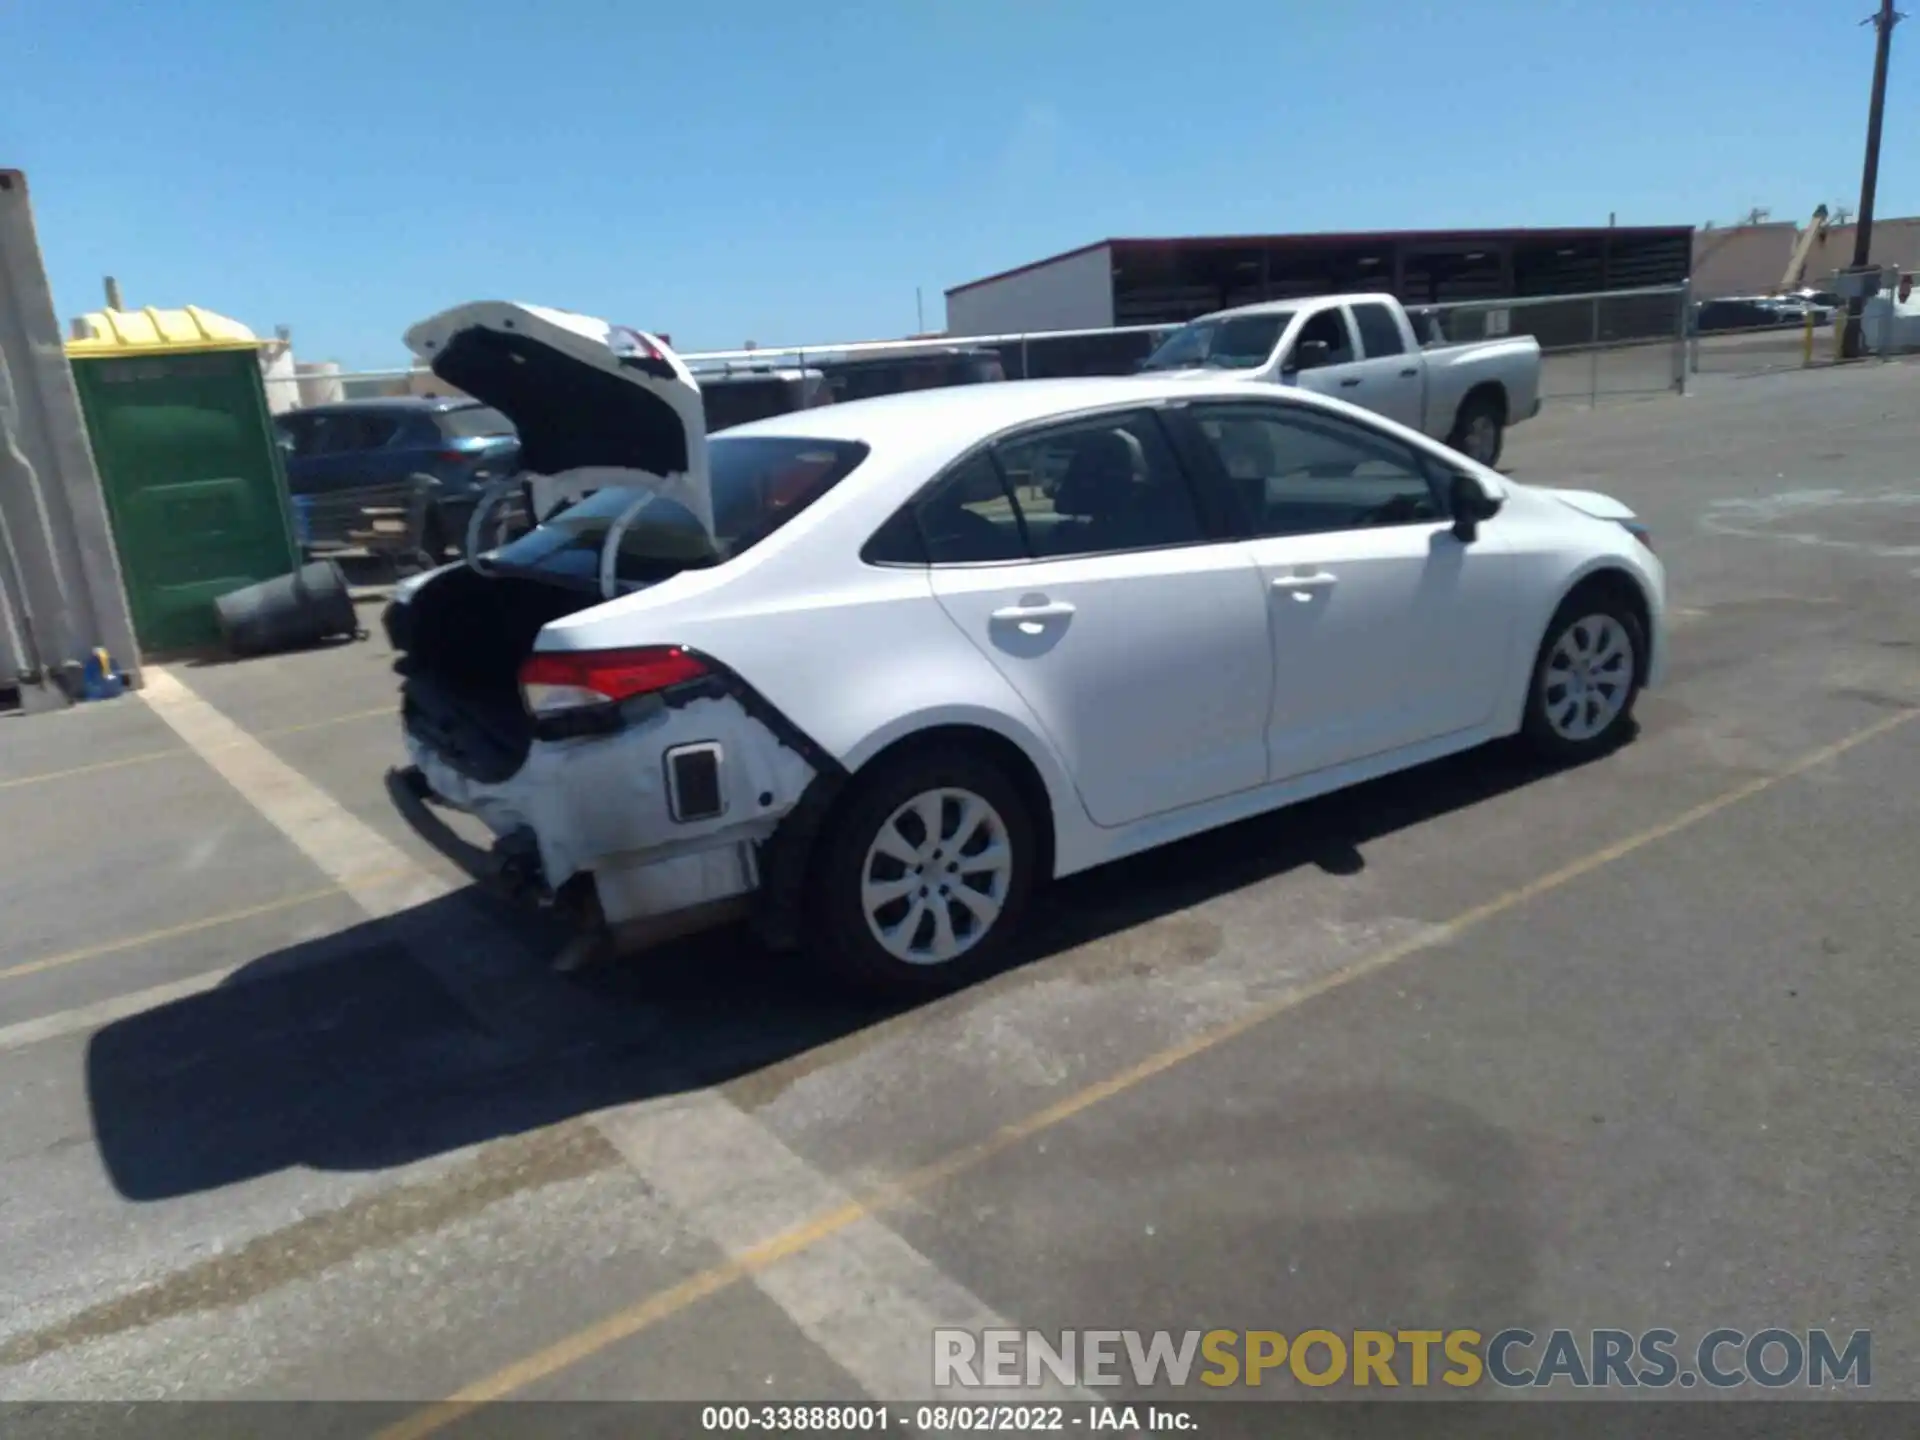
x,y
868,1299
82,1018
864,1295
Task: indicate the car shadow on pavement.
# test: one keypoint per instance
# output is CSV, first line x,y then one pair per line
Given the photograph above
x,y
348,1053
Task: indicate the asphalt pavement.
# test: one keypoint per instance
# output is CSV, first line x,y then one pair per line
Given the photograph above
x,y
288,1112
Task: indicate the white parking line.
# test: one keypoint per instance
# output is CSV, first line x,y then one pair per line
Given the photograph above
x,y
870,1301
82,1018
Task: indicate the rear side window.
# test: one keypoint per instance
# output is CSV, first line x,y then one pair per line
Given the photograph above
x,y
972,518
348,431
1379,333
1093,487
474,422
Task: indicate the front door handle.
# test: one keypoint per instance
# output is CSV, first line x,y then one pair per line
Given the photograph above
x,y
1349,382
1408,374
1044,610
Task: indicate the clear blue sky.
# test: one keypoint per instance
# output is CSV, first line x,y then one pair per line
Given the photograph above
x,y
784,172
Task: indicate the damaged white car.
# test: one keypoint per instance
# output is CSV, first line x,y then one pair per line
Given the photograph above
x,y
869,673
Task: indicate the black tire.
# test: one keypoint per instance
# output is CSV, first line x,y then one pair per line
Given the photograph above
x,y
840,931
1481,425
1556,718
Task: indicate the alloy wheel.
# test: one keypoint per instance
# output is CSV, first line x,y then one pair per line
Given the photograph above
x,y
1588,677
936,876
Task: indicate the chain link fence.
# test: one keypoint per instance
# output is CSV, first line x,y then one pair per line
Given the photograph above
x,y
1615,344
1760,334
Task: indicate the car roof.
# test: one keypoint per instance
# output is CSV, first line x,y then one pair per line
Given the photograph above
x,y
1286,307
954,417
427,404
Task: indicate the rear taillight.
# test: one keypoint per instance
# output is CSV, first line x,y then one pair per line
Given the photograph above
x,y
557,681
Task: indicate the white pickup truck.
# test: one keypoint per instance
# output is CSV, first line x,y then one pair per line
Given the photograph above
x,y
1364,349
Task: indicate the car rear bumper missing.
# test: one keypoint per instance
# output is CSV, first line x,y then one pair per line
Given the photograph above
x,y
659,823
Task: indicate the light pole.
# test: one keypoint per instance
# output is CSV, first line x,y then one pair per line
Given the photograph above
x,y
1883,24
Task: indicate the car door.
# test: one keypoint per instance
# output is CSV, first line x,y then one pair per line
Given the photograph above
x,y
1387,630
1080,562
1390,371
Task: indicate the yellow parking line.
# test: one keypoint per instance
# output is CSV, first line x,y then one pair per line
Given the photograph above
x,y
544,1363
180,751
190,927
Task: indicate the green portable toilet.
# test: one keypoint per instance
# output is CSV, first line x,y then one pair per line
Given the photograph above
x,y
177,411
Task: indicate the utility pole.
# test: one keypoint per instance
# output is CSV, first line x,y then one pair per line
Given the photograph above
x,y
1883,24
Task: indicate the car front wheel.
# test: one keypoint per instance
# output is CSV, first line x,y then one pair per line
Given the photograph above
x,y
925,874
1586,678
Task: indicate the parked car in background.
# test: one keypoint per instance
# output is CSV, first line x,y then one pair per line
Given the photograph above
x,y
1744,312
734,394
864,376
1365,349
352,453
1798,308
844,671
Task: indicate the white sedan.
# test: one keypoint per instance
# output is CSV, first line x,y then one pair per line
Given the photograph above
x,y
870,673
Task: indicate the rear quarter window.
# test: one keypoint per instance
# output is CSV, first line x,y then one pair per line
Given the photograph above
x,y
474,422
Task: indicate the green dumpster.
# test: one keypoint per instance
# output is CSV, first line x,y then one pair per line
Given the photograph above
x,y
177,412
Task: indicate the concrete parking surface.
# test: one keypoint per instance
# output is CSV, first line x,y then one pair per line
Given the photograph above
x,y
287,1111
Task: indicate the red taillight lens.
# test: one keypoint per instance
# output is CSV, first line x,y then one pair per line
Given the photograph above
x,y
570,679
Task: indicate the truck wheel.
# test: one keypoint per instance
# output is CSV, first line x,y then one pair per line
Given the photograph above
x,y
924,874
1479,431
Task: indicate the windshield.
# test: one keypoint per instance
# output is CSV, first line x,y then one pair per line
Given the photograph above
x,y
759,483
1242,342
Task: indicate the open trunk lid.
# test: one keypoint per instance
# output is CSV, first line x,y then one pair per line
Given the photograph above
x,y
595,404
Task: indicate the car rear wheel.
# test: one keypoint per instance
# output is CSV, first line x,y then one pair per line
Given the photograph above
x,y
925,874
1586,678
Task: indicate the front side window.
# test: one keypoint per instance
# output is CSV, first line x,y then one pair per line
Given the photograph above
x,y
1328,328
1294,472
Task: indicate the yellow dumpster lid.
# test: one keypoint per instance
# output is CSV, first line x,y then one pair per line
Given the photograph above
x,y
151,331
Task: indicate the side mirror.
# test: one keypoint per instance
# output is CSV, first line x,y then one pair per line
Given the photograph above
x,y
1469,503
1307,355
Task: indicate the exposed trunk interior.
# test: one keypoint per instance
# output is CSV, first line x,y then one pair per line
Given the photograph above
x,y
463,638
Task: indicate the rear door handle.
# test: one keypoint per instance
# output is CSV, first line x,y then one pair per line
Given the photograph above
x,y
1301,587
1408,374
1349,382
1048,610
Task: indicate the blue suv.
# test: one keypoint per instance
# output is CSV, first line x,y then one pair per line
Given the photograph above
x,y
352,453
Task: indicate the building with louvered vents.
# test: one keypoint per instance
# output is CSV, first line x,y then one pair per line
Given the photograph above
x,y
1166,282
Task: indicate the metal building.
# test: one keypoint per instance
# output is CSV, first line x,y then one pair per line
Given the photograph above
x,y
1164,282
